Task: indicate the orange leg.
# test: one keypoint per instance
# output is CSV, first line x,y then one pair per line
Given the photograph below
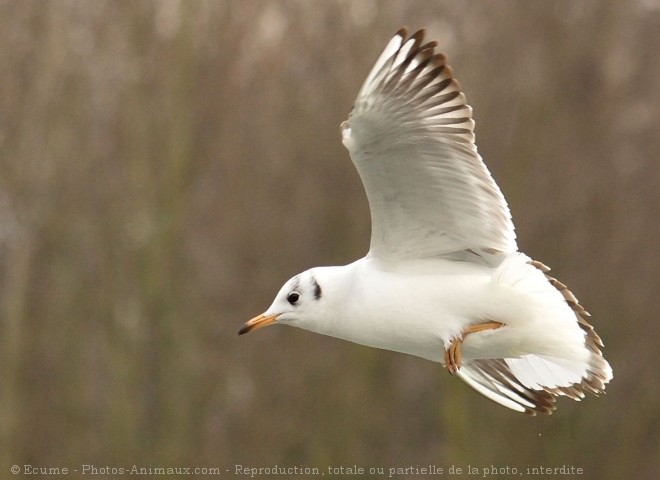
x,y
453,353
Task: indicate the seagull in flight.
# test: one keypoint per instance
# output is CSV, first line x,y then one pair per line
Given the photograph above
x,y
443,278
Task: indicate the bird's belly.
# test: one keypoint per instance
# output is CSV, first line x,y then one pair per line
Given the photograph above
x,y
410,335
421,314
414,314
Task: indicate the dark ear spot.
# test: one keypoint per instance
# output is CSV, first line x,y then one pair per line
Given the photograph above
x,y
317,289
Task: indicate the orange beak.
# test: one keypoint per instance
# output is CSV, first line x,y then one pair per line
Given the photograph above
x,y
258,322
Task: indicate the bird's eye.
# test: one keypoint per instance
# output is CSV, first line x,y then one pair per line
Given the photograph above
x,y
293,298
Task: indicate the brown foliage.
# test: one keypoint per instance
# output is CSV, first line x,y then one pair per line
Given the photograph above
x,y
167,165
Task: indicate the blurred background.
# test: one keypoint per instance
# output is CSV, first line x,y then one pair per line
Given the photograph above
x,y
167,165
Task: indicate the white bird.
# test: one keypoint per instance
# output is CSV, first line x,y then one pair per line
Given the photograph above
x,y
443,279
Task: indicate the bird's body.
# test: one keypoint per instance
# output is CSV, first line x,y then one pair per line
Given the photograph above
x,y
398,309
394,325
443,279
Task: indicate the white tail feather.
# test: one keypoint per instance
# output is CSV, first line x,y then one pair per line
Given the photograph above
x,y
538,372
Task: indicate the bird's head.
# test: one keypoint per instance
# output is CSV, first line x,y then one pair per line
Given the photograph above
x,y
297,303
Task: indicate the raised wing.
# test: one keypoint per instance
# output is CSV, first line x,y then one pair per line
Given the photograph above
x,y
411,137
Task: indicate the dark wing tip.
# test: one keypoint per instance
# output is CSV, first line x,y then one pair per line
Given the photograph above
x,y
402,32
419,35
502,387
